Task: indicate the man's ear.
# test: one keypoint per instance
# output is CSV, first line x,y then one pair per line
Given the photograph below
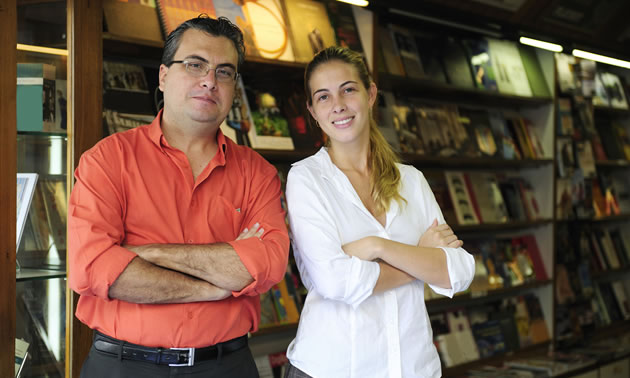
x,y
162,76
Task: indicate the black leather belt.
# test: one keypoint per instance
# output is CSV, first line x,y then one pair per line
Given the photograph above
x,y
166,356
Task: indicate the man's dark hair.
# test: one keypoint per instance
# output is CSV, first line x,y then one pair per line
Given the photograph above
x,y
220,27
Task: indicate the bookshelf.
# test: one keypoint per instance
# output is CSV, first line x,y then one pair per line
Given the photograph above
x,y
87,52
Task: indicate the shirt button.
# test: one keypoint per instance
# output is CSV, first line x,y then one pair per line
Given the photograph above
x,y
190,241
190,315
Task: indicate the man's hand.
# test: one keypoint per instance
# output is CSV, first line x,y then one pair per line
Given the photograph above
x,y
252,232
367,248
439,236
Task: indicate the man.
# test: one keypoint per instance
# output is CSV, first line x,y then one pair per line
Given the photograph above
x,y
174,230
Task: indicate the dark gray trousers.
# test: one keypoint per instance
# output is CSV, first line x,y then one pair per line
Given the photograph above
x,y
236,364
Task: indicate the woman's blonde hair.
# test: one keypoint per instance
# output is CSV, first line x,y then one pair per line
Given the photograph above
x,y
384,175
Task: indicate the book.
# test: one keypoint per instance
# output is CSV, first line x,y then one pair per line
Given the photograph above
x,y
565,117
124,77
565,72
270,127
456,64
121,19
430,56
239,125
485,189
25,190
266,29
480,131
118,122
509,70
385,118
36,97
21,353
345,26
600,96
460,196
615,90
533,69
439,187
407,50
310,28
171,13
391,59
56,203
481,63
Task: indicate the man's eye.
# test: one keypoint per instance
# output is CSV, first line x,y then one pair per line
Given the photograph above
x,y
194,65
225,72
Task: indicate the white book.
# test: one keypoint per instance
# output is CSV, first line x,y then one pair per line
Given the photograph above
x,y
510,73
21,352
25,190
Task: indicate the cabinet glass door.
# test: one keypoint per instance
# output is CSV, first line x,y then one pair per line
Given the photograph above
x,y
42,147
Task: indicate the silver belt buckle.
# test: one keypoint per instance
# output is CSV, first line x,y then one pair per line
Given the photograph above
x,y
191,357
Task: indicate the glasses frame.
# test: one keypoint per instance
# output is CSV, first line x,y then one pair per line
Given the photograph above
x,y
186,62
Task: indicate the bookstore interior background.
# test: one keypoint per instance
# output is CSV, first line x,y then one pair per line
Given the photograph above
x,y
516,111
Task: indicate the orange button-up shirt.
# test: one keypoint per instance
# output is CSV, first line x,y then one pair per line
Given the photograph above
x,y
133,188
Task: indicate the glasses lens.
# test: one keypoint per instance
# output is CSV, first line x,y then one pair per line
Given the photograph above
x,y
196,67
225,73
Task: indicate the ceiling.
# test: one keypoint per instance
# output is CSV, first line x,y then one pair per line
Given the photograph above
x,y
600,26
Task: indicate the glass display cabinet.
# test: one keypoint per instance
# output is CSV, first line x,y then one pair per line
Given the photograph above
x,y
42,148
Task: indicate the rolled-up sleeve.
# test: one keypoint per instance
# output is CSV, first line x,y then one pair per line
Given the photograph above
x,y
460,264
95,227
266,258
324,266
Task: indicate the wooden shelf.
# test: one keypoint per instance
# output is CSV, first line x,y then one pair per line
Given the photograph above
x,y
494,227
610,274
432,91
470,299
472,163
612,163
610,218
607,110
497,360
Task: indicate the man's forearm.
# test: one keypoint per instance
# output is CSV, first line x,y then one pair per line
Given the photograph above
x,y
143,282
216,263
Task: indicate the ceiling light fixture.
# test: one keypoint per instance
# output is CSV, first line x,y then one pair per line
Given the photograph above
x,y
360,3
541,44
601,58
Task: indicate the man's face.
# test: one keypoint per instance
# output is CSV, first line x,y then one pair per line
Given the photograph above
x,y
201,99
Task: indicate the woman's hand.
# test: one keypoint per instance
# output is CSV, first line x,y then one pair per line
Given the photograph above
x,y
439,235
255,231
367,248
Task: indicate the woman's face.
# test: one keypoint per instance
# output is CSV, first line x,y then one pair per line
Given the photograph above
x,y
341,104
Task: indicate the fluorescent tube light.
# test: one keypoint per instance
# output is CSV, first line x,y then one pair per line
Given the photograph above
x,y
541,44
360,3
601,58
43,50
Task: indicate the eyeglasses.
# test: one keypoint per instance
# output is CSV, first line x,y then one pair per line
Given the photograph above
x,y
199,68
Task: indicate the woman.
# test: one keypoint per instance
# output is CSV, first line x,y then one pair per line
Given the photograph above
x,y
365,236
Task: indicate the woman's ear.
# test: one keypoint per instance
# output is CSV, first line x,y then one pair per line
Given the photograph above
x,y
372,92
310,110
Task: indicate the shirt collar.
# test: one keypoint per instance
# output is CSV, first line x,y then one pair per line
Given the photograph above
x,y
157,137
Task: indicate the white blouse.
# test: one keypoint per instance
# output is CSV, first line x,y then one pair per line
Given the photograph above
x,y
345,330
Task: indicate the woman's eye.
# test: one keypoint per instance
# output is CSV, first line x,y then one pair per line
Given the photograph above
x,y
323,97
349,89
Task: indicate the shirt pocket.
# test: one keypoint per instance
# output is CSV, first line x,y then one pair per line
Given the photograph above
x,y
225,219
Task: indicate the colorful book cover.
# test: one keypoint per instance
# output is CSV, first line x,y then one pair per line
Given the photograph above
x,y
310,28
481,62
271,34
173,12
